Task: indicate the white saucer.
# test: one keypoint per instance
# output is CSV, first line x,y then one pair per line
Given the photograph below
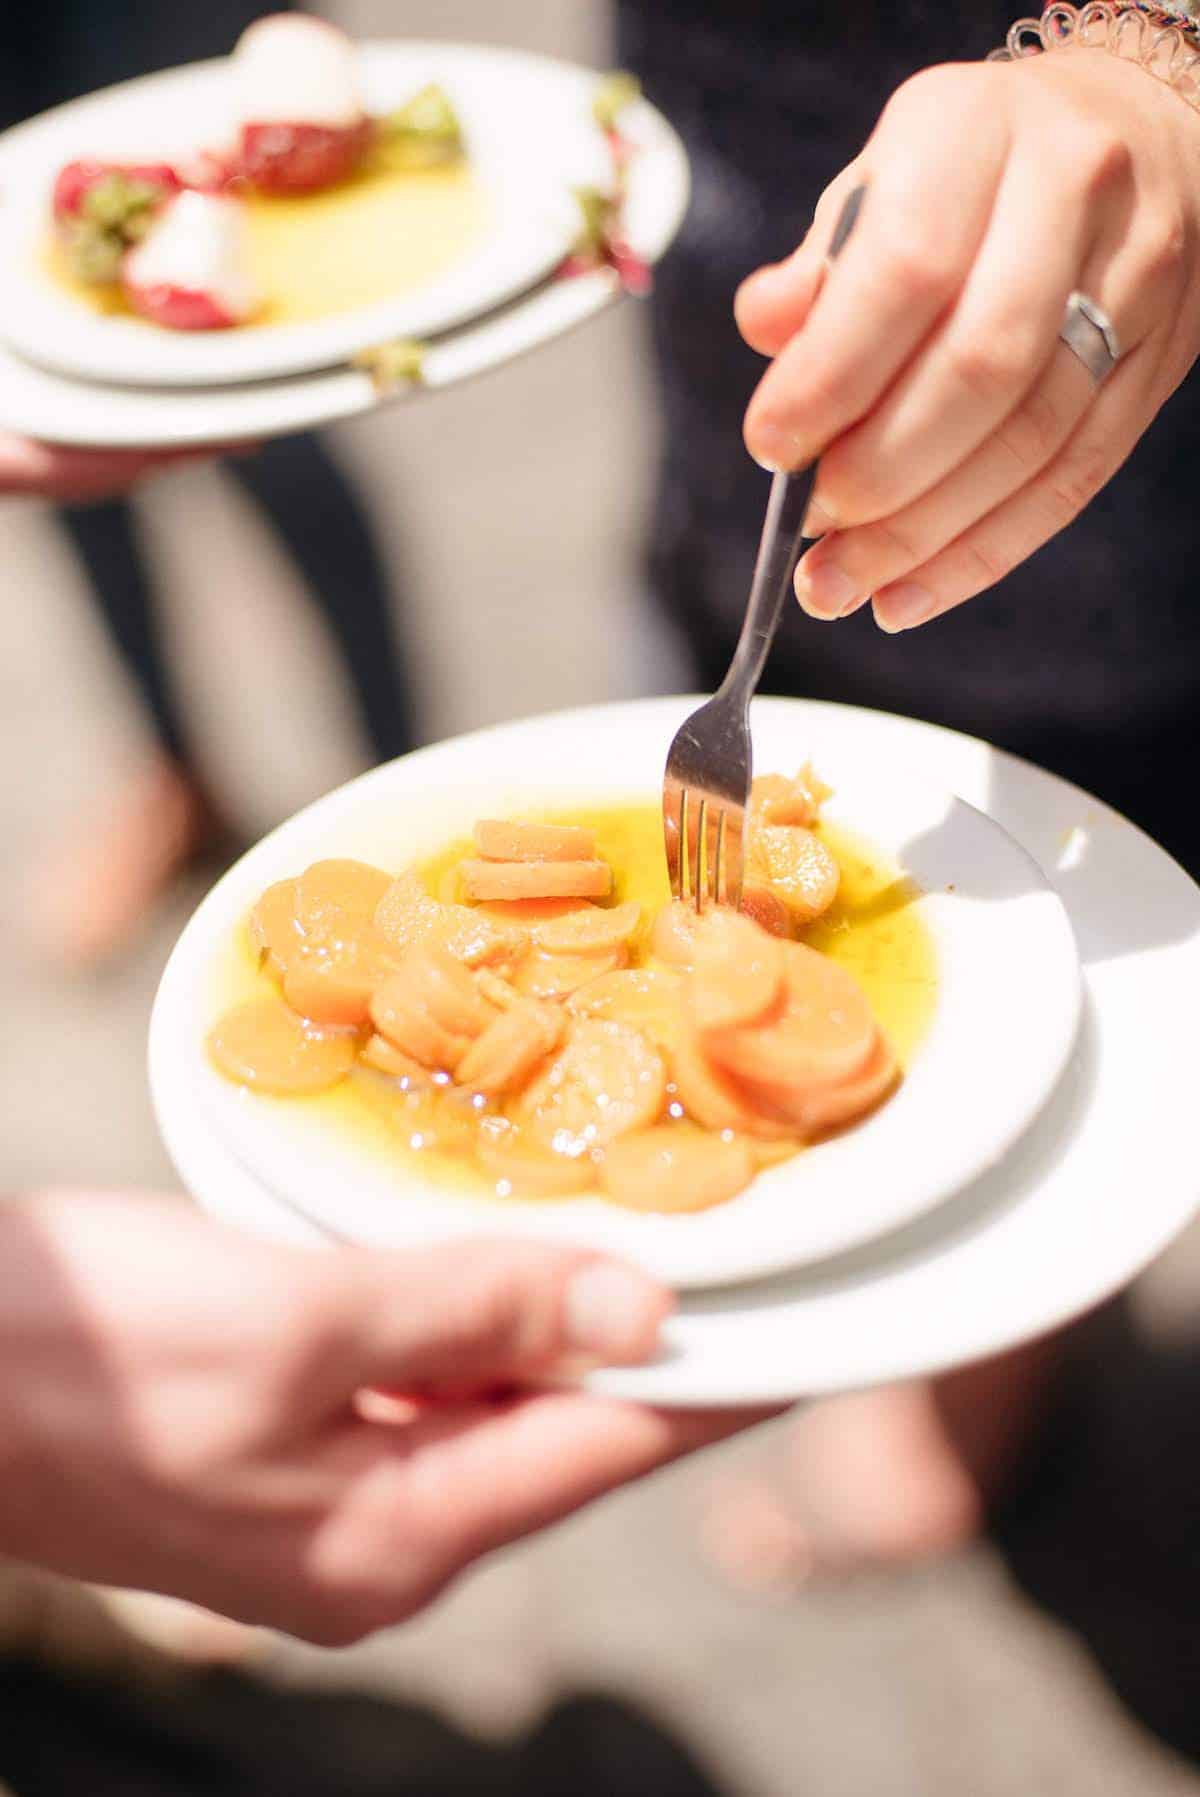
x,y
1093,1192
37,402
528,143
1005,1021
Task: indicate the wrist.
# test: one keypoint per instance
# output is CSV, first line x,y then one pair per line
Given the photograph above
x,y
1162,40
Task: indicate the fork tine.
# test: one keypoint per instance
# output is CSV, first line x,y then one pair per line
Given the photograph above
x,y
697,859
674,799
687,884
732,866
716,854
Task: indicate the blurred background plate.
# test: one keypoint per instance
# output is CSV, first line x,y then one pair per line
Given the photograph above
x,y
530,139
56,408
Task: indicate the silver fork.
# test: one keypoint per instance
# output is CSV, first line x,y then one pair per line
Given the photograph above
x,y
706,785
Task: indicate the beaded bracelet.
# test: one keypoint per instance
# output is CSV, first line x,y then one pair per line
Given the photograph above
x,y
1164,41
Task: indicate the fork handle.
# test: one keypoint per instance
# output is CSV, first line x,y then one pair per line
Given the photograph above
x,y
778,553
781,541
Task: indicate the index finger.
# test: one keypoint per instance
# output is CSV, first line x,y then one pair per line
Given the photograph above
x,y
924,216
458,1483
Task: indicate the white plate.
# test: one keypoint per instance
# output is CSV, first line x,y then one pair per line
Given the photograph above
x,y
1107,1176
39,403
1007,1007
528,142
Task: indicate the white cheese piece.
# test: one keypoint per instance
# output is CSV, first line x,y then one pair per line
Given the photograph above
x,y
289,69
198,244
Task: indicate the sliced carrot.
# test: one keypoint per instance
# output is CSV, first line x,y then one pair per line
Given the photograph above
x,y
674,1168
407,914
332,979
385,1057
591,931
511,1048
479,941
716,1099
536,879
425,1118
823,1029
673,937
273,925
649,999
738,973
774,799
530,912
443,987
819,1108
528,1170
353,886
606,1080
556,976
430,1007
797,866
513,841
767,910
264,1045
411,1029
499,992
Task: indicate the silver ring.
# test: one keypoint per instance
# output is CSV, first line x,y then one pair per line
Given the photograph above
x,y
1090,334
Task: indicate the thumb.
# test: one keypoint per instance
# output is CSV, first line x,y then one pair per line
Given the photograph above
x,y
467,1316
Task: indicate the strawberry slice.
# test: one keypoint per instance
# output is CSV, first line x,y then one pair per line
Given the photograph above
x,y
102,208
79,179
302,122
294,158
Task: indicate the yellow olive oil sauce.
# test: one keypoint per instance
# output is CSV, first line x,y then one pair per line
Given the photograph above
x,y
874,930
385,231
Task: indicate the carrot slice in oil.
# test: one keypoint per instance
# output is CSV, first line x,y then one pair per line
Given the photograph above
x,y
510,1049
817,1109
674,1168
525,1169
536,879
556,976
607,1079
264,1045
353,886
501,841
716,1099
273,925
595,930
797,867
649,999
822,1032
331,980
738,973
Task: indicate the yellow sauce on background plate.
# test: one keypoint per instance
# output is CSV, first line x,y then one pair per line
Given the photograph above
x,y
384,232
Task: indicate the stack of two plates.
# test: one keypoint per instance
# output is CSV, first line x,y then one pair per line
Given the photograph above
x,y
1037,1155
72,374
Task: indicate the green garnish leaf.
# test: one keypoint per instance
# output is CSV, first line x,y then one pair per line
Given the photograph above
x,y
597,212
425,130
612,96
400,363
